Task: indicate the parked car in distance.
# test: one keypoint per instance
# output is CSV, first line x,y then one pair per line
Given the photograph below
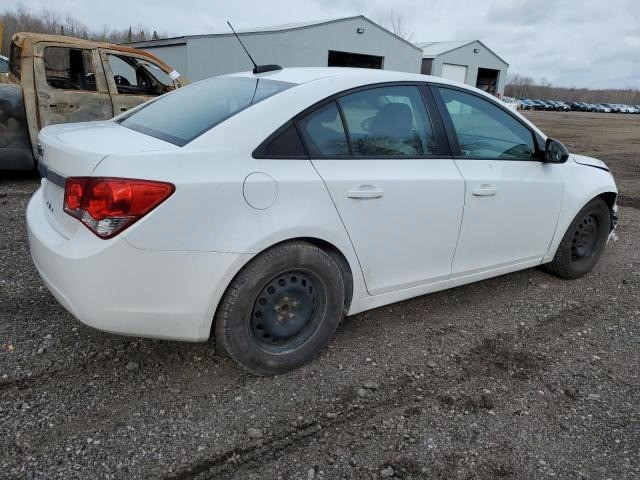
x,y
548,105
539,105
260,209
560,106
613,107
58,79
510,102
524,104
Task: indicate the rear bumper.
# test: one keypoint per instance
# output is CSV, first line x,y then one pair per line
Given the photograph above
x,y
113,286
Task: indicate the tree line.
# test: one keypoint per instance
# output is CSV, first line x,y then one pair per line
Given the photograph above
x,y
47,21
519,86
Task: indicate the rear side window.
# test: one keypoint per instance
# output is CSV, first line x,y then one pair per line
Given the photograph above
x,y
485,130
388,122
190,111
324,133
285,143
69,68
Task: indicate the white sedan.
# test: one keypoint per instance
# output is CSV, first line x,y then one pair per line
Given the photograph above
x,y
260,209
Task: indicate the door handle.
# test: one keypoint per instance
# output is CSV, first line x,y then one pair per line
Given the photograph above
x,y
365,193
484,191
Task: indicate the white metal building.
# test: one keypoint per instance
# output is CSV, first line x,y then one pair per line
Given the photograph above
x,y
352,41
470,62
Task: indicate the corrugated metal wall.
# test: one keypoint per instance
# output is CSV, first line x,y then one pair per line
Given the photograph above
x,y
174,55
466,56
304,47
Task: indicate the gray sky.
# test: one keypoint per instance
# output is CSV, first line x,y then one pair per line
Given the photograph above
x,y
582,43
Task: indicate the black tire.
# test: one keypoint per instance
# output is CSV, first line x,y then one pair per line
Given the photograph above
x,y
583,242
281,309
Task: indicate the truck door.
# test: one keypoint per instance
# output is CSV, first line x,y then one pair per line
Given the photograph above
x,y
70,85
133,79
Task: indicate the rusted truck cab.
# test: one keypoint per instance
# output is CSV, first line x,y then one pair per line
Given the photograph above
x,y
56,79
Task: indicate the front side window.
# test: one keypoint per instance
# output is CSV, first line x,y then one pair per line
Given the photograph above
x,y
69,68
135,76
485,130
388,122
324,132
190,111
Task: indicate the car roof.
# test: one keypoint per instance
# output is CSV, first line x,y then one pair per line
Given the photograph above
x,y
300,75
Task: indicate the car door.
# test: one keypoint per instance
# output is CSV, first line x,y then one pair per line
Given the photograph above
x,y
512,199
70,85
133,79
386,164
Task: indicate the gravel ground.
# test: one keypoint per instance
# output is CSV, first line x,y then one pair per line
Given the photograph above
x,y
523,376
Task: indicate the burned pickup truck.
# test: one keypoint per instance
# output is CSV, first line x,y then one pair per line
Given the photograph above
x,y
57,79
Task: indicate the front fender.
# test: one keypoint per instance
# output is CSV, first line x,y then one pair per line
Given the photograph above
x,y
581,184
15,145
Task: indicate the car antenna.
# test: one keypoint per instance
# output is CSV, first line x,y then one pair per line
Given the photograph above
x,y
256,68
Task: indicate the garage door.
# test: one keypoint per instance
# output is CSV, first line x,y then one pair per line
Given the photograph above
x,y
457,73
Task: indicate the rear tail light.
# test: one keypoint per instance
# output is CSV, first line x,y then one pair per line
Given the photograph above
x,y
109,205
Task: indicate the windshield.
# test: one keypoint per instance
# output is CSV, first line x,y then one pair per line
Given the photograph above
x,y
188,112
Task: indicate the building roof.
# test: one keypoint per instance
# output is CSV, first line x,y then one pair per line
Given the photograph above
x,y
265,30
434,49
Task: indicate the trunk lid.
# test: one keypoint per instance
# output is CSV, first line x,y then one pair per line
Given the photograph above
x,y
75,150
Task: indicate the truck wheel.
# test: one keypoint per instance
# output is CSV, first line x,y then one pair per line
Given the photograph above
x,y
583,242
281,309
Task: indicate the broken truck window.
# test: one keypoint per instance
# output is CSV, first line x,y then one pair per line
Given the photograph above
x,y
69,68
135,76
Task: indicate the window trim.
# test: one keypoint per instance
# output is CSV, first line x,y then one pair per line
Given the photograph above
x,y
442,143
260,150
452,135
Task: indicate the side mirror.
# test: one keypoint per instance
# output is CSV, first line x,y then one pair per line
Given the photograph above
x,y
555,151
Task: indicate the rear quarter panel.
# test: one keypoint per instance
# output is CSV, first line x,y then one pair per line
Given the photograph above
x,y
208,211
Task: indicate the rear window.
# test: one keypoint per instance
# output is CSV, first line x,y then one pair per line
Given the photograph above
x,y
190,111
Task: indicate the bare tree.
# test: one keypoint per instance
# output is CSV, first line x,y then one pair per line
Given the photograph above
x,y
519,86
396,24
47,21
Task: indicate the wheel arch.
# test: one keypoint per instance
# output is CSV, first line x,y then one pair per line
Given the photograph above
x,y
336,254
609,195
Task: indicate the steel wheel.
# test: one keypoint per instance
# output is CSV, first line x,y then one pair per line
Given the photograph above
x,y
583,242
287,311
584,238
